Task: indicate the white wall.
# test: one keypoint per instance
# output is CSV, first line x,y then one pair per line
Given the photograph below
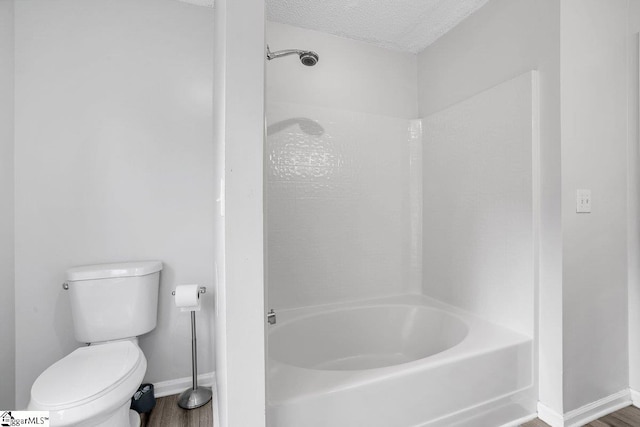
x,y
7,304
503,39
338,177
479,173
633,191
350,75
594,156
239,52
113,162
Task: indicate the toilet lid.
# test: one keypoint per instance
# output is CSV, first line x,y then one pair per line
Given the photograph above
x,y
85,373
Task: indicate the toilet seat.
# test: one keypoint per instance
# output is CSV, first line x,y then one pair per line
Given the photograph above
x,y
89,383
86,374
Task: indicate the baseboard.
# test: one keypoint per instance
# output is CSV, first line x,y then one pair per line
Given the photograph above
x,y
635,398
593,411
177,386
587,413
550,416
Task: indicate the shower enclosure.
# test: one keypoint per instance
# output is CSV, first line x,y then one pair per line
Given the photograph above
x,y
400,248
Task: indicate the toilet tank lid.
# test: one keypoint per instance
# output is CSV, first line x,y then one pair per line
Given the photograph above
x,y
108,271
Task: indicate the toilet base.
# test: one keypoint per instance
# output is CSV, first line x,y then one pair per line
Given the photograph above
x,y
134,418
123,417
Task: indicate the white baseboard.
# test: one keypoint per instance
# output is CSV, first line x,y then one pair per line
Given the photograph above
x,y
635,398
593,411
177,386
550,416
587,413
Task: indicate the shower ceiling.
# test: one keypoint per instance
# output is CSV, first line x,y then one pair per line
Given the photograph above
x,y
406,25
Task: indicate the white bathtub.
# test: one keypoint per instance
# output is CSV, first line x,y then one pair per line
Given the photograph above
x,y
404,361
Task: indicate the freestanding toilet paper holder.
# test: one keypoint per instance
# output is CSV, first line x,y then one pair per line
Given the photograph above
x,y
195,396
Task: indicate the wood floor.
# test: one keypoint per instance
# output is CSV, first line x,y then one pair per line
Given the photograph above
x,y
167,413
625,417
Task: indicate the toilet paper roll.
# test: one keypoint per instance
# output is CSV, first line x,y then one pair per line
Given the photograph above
x,y
187,297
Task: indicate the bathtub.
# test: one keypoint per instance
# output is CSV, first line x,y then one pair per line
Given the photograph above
x,y
404,361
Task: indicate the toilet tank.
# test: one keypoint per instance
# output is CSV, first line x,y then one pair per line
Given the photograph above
x,y
114,301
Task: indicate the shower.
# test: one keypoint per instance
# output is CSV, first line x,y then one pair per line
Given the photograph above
x,y
307,57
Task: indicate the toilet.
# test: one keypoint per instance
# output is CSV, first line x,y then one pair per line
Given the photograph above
x,y
111,305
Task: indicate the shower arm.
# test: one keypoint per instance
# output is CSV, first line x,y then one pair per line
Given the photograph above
x,y
279,53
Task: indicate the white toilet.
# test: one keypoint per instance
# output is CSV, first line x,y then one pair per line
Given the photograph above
x,y
111,304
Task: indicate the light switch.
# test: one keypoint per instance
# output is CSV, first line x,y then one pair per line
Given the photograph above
x,y
583,204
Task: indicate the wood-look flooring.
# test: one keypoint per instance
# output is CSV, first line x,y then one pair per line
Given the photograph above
x,y
167,413
625,417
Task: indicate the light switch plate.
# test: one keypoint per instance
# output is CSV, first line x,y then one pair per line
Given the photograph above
x,y
583,201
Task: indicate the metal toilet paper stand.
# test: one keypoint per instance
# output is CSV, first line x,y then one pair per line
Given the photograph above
x,y
195,396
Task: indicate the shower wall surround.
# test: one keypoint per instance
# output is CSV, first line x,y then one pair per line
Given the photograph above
x,y
352,188
337,205
504,39
479,171
338,171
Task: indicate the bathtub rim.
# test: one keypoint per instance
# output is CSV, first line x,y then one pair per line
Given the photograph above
x,y
375,305
483,337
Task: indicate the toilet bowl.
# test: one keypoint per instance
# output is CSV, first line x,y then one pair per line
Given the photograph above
x,y
92,386
111,305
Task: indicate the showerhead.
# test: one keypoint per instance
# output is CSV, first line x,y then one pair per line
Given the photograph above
x,y
307,57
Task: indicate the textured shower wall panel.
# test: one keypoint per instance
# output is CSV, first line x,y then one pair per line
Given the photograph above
x,y
338,219
478,180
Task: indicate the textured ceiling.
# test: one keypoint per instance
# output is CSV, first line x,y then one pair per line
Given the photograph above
x,y
406,25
